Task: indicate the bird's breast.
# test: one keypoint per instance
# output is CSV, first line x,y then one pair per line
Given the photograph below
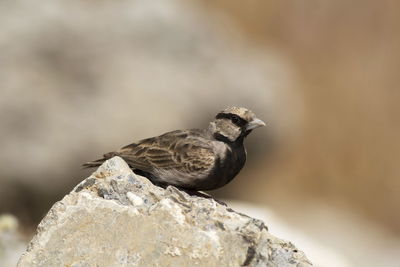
x,y
227,167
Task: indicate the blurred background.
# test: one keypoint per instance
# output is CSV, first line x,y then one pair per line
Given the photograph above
x,y
79,78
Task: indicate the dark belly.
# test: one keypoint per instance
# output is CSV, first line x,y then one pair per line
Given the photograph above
x,y
224,171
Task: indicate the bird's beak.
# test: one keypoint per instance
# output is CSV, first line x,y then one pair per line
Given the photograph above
x,y
255,123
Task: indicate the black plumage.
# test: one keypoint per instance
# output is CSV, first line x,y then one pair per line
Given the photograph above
x,y
192,159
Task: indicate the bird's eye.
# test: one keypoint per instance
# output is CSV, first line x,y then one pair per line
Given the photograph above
x,y
235,119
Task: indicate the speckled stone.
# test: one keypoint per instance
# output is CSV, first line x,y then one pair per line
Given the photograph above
x,y
117,218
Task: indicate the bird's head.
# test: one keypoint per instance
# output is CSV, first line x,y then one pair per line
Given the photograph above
x,y
233,124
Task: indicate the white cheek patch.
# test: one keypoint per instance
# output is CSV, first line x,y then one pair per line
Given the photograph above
x,y
232,132
226,128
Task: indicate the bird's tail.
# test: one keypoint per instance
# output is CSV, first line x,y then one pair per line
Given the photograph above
x,y
98,162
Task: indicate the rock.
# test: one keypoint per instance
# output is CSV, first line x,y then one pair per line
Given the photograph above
x,y
11,243
117,218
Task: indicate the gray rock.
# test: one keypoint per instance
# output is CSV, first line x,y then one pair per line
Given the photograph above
x,y
117,218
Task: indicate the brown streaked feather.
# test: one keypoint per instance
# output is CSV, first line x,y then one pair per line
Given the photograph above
x,y
172,150
183,152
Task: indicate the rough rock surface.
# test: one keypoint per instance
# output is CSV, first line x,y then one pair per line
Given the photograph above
x,y
117,218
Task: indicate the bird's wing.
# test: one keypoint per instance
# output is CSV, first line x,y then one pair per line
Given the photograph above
x,y
181,151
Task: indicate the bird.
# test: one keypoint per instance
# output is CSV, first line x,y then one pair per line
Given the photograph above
x,y
194,159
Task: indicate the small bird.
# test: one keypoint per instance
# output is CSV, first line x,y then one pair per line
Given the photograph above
x,y
193,159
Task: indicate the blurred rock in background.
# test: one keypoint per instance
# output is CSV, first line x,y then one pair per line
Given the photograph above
x,y
12,245
81,78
